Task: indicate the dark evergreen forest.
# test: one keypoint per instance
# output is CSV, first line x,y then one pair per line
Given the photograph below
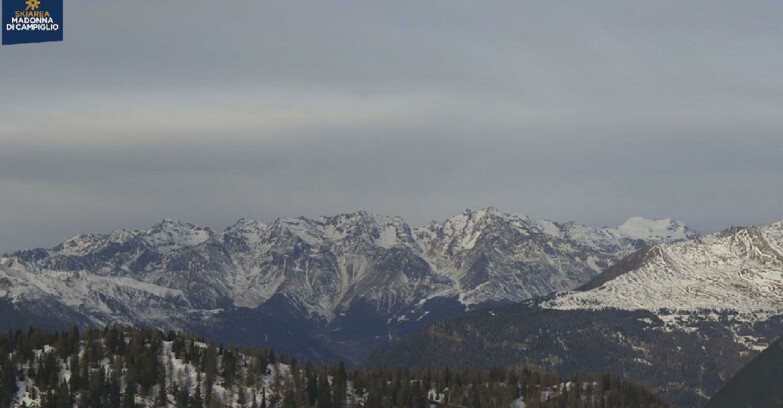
x,y
128,367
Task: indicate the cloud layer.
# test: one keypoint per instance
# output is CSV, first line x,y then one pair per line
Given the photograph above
x,y
211,111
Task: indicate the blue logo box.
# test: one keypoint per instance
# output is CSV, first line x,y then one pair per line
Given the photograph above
x,y
32,21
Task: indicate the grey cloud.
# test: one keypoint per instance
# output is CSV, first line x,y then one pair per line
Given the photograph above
x,y
211,111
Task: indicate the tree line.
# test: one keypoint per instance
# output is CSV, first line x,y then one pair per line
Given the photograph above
x,y
124,367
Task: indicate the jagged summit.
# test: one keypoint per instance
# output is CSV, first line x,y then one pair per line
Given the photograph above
x,y
171,234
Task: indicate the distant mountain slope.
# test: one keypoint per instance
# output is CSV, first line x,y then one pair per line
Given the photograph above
x,y
620,267
757,385
681,318
350,282
682,366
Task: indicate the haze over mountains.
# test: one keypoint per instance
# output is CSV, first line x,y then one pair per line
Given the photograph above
x,y
324,287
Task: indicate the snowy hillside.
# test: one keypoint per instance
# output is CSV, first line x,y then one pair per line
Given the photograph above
x,y
738,271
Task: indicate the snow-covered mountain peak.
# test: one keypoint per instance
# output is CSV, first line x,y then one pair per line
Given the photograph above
x,y
665,229
360,220
483,212
373,229
171,234
81,244
245,223
486,215
356,221
300,229
245,233
462,231
85,244
774,233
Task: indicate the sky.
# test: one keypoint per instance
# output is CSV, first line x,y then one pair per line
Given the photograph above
x,y
209,111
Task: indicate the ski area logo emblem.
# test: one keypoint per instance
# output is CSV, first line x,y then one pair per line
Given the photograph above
x,y
32,4
32,21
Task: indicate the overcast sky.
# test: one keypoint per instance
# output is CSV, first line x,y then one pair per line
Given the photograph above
x,y
209,111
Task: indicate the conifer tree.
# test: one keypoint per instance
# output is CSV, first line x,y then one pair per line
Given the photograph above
x,y
129,397
324,399
197,401
163,393
241,396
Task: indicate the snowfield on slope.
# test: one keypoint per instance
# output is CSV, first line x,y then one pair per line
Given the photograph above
x,y
740,270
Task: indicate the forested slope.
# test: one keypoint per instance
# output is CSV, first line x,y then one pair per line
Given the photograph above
x,y
128,368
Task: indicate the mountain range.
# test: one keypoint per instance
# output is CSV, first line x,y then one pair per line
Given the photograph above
x,y
681,318
326,288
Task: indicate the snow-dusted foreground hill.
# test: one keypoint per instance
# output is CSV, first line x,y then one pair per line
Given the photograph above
x,y
349,282
737,271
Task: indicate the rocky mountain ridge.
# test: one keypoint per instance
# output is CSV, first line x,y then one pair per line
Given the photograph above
x,y
325,276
